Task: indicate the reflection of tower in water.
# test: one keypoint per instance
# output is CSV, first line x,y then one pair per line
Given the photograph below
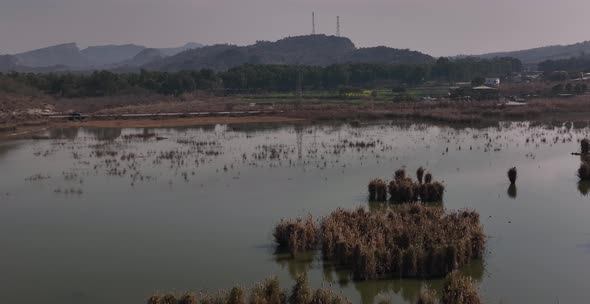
x,y
299,135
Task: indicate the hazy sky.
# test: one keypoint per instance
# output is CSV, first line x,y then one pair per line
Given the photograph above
x,y
437,27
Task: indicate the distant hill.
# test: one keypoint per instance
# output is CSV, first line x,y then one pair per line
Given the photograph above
x,y
70,57
63,54
7,62
537,55
173,51
318,50
144,57
111,54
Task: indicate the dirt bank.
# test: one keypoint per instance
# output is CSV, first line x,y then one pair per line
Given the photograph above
x,y
177,122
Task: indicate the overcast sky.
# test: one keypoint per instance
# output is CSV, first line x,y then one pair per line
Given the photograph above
x,y
437,27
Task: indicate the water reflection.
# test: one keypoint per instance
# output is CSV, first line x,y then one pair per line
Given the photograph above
x,y
375,205
371,290
584,187
297,266
512,191
64,133
105,134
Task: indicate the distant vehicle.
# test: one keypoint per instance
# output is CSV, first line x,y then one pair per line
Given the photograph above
x,y
75,116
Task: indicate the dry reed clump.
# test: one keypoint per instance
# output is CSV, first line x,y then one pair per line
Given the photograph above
x,y
267,292
584,171
377,190
512,175
405,241
302,294
428,178
400,174
404,190
459,289
420,174
296,235
585,146
188,298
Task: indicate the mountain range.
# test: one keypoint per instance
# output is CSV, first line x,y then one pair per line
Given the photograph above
x,y
70,57
319,50
534,56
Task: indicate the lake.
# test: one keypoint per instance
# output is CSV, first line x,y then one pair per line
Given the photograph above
x,y
115,215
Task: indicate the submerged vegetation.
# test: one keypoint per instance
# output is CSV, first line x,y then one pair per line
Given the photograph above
x,y
410,241
457,289
267,292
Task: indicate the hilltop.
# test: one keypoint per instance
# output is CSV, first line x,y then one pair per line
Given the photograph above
x,y
316,50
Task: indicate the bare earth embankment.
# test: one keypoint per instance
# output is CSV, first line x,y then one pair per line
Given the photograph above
x,y
21,115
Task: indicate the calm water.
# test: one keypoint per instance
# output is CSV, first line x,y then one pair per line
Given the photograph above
x,y
195,208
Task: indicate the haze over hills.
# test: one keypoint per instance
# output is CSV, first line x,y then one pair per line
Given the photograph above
x,y
532,57
70,57
320,50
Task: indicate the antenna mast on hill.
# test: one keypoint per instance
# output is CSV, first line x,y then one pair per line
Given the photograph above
x,y
338,26
313,23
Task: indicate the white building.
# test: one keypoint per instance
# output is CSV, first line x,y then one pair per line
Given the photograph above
x,y
492,82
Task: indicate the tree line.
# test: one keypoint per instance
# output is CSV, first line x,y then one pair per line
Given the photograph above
x,y
574,64
264,78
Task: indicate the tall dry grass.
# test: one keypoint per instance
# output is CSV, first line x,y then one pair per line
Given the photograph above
x,y
296,235
459,289
410,241
403,189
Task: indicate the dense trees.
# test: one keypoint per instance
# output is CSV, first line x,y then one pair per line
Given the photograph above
x,y
575,64
269,78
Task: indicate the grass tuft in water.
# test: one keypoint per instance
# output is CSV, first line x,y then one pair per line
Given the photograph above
x,y
512,175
